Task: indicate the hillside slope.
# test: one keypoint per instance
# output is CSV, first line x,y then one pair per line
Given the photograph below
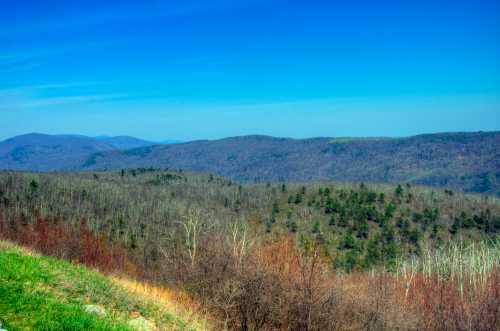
x,y
43,293
245,261
465,161
125,142
143,209
40,152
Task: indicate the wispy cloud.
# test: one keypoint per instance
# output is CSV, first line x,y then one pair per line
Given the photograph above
x,y
27,59
54,86
61,94
69,100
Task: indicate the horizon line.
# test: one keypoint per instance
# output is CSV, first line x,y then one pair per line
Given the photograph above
x,y
163,140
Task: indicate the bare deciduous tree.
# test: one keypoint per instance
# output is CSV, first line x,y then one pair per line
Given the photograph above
x,y
240,241
194,223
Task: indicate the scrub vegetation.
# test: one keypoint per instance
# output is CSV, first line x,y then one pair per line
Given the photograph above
x,y
275,256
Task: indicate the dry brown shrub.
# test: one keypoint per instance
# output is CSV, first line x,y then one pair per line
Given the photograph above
x,y
445,305
54,238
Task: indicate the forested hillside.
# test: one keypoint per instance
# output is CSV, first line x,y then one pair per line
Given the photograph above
x,y
273,256
359,225
42,152
467,162
39,152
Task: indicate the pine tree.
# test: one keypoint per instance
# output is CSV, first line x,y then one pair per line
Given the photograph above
x,y
316,227
332,220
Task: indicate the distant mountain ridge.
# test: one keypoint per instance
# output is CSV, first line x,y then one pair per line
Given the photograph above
x,y
125,142
40,152
465,161
43,152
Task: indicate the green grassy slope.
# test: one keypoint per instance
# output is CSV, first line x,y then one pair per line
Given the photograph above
x,y
43,293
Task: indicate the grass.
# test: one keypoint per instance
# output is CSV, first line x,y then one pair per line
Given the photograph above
x,y
43,293
173,303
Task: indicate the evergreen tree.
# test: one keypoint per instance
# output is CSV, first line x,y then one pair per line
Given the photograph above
x,y
332,220
373,253
399,191
363,230
348,242
276,207
316,227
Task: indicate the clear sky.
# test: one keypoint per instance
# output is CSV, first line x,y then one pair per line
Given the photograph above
x,y
196,69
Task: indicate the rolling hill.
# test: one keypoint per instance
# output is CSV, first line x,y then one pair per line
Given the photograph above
x,y
125,142
40,152
463,161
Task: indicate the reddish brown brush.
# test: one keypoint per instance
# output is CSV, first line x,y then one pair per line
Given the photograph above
x,y
79,245
380,300
279,286
444,305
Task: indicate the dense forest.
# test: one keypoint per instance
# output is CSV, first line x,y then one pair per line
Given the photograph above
x,y
205,234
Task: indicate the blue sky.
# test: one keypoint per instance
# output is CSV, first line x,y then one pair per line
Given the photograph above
x,y
209,69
